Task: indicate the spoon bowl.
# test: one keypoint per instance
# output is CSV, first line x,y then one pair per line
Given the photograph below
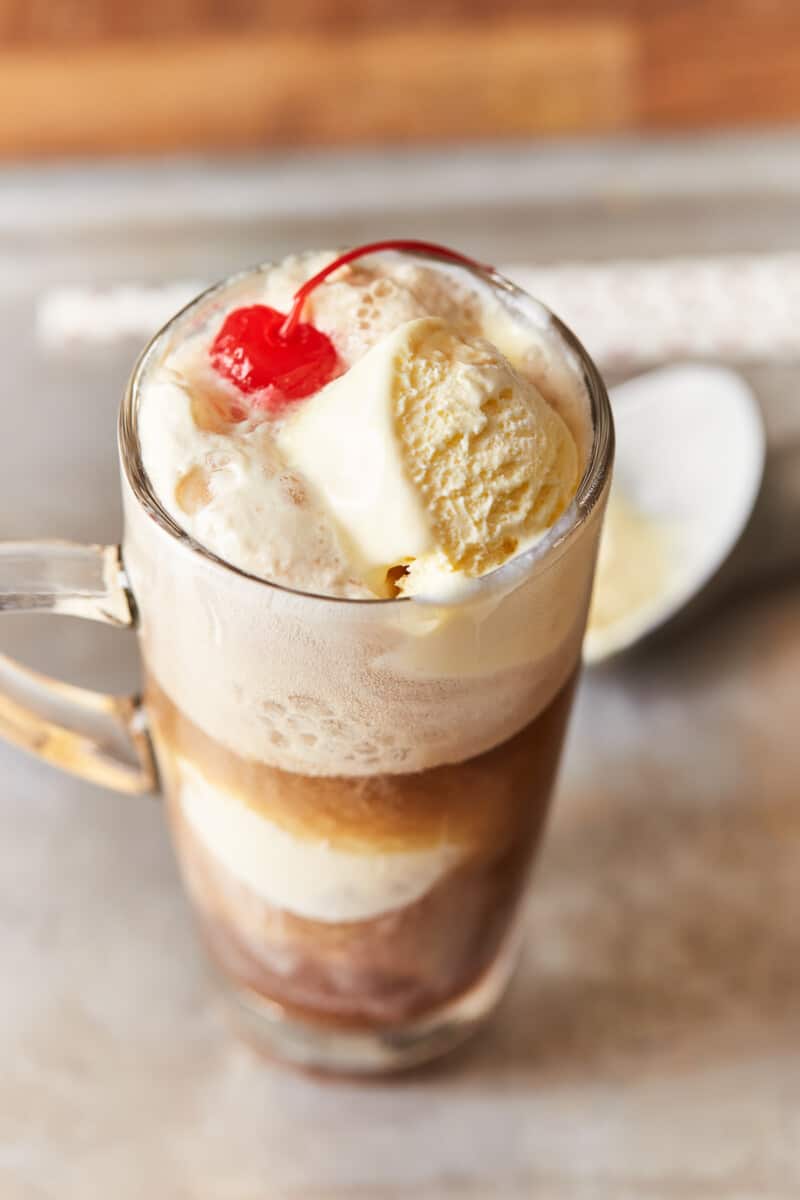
x,y
690,459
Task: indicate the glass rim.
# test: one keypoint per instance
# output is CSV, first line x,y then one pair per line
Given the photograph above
x,y
550,546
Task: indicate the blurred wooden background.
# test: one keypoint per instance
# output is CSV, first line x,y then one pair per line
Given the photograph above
x,y
98,76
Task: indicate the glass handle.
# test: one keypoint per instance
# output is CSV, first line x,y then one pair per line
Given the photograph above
x,y
101,737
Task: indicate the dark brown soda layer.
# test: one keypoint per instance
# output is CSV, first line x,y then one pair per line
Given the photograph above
x,y
402,964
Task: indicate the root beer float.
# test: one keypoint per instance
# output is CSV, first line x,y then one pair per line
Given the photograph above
x,y
358,722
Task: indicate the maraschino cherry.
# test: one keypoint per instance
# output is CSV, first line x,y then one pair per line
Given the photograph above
x,y
276,357
252,351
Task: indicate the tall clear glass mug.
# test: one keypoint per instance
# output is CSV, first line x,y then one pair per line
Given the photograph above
x,y
355,789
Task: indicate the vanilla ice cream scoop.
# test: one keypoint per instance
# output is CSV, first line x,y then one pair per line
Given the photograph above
x,y
436,459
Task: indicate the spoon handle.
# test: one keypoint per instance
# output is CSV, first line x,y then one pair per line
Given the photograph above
x,y
769,550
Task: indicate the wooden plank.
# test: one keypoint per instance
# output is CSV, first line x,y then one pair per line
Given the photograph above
x,y
75,22
707,62
520,77
92,77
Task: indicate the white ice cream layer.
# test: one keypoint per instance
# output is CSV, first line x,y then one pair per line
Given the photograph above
x,y
307,878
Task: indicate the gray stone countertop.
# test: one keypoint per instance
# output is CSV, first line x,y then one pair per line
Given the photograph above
x,y
650,1044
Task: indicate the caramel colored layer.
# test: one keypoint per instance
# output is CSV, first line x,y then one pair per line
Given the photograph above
x,y
485,803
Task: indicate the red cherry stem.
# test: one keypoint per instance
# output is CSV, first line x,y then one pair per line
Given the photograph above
x,y
301,295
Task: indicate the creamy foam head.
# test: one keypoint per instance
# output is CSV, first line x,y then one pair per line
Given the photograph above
x,y
315,685
424,395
